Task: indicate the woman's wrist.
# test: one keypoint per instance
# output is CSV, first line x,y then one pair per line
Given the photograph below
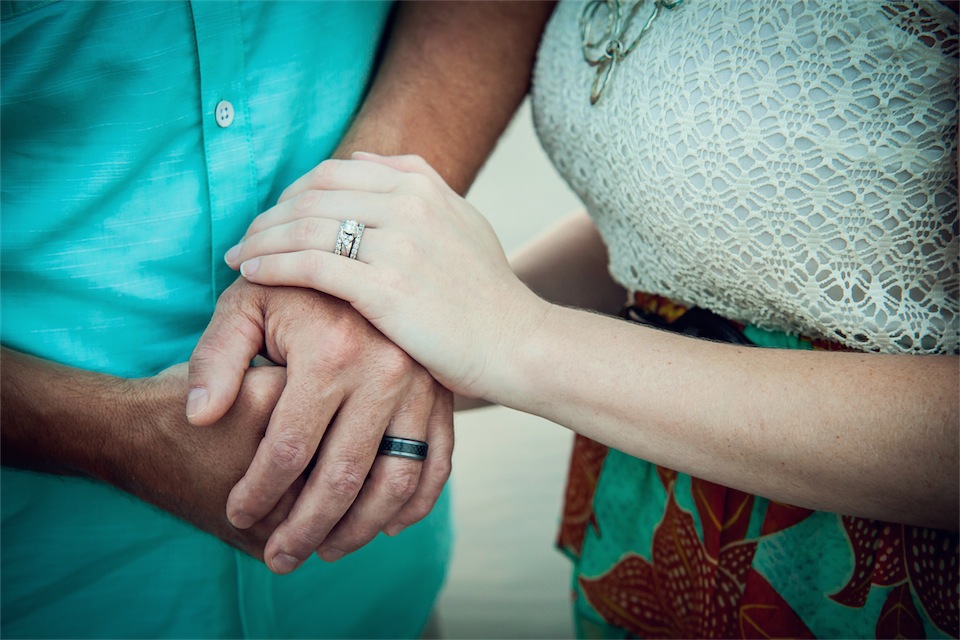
x,y
515,377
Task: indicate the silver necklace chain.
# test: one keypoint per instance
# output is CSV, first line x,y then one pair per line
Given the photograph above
x,y
605,48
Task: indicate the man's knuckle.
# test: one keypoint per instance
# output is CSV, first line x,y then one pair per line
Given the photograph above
x,y
423,383
230,296
305,534
418,509
353,535
257,394
262,390
395,364
400,486
241,298
290,453
442,468
343,339
211,347
344,478
220,340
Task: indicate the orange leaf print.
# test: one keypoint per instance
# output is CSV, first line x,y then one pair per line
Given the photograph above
x,y
680,560
723,601
781,516
765,614
586,462
724,514
627,597
890,567
682,592
660,599
931,556
899,617
667,477
926,560
866,537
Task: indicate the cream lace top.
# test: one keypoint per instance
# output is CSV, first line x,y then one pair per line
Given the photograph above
x,y
787,164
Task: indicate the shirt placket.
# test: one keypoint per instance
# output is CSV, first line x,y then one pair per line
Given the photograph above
x,y
227,139
231,179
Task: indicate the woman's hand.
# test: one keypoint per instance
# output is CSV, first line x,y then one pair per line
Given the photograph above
x,y
430,272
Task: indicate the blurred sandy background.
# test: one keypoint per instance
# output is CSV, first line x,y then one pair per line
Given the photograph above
x,y
507,580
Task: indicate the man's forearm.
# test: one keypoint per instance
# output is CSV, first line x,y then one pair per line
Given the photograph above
x,y
452,76
132,434
62,420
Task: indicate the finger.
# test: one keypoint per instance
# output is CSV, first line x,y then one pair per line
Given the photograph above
x,y
299,420
392,482
436,468
222,355
253,540
369,208
348,175
343,463
406,163
296,235
319,234
339,276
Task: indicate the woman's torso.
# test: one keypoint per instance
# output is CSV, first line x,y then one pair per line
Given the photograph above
x,y
790,165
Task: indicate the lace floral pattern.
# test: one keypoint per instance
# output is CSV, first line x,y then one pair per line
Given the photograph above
x,y
789,165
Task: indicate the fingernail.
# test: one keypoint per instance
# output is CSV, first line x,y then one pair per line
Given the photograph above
x,y
232,254
283,563
394,530
241,520
250,267
362,154
331,555
196,401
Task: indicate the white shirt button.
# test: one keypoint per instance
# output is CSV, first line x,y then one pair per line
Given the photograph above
x,y
224,113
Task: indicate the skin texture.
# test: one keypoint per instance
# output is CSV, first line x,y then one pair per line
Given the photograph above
x,y
450,71
792,426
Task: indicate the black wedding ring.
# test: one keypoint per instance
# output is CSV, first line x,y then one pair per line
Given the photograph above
x,y
403,448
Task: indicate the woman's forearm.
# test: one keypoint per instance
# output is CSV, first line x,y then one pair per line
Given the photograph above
x,y
860,434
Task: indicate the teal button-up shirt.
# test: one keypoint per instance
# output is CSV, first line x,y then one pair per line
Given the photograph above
x,y
122,186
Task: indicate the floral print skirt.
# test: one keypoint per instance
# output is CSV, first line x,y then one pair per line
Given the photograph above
x,y
660,554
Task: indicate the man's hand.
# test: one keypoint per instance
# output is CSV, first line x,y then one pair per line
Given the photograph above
x,y
131,433
190,472
451,71
347,384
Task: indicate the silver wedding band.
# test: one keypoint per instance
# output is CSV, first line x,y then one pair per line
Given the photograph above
x,y
403,448
348,238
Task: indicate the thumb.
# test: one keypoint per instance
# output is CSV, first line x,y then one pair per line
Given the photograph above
x,y
219,361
